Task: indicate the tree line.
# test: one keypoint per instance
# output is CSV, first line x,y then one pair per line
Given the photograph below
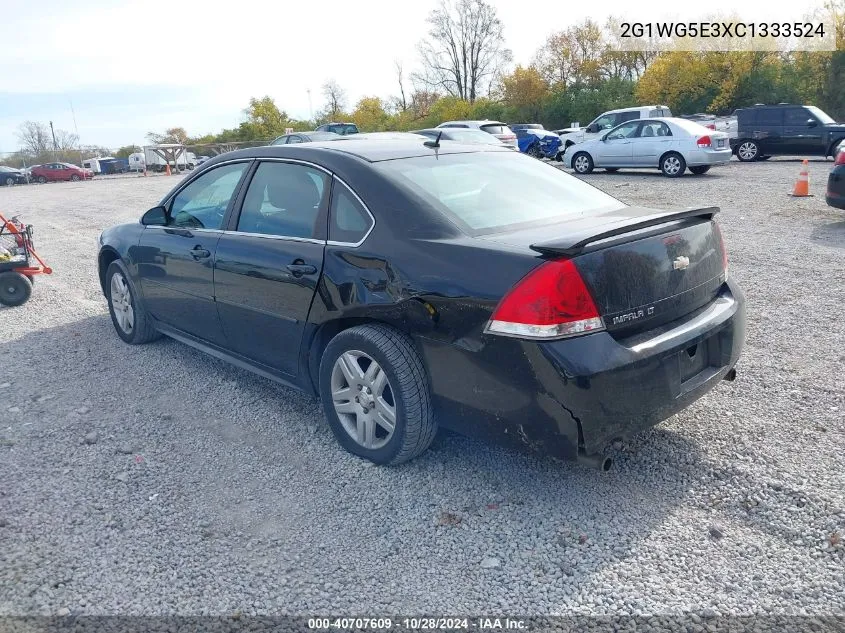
x,y
465,71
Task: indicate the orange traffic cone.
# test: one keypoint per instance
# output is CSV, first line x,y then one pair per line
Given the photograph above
x,y
802,185
167,171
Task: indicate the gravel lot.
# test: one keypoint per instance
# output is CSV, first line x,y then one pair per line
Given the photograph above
x,y
157,480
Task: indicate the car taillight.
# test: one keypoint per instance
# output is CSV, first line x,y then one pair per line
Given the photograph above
x,y
840,158
551,301
718,232
704,141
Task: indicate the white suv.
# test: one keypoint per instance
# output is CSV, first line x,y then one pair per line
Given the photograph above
x,y
607,121
498,129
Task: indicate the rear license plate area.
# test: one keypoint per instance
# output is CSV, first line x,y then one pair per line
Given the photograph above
x,y
699,362
720,143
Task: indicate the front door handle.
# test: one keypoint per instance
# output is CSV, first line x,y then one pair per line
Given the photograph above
x,y
299,268
198,252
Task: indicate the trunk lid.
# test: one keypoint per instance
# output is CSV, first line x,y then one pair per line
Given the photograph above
x,y
643,267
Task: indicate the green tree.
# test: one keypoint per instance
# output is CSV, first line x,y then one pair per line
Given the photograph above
x,y
126,150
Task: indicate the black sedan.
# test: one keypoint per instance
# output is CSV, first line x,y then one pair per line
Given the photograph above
x,y
462,135
305,137
411,286
835,195
10,176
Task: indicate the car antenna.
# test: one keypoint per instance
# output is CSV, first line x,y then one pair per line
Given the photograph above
x,y
436,142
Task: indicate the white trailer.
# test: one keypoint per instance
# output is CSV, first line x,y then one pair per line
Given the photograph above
x,y
178,157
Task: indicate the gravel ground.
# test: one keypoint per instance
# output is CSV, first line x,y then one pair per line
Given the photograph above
x,y
157,480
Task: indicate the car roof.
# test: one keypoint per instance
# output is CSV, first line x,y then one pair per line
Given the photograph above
x,y
368,149
475,121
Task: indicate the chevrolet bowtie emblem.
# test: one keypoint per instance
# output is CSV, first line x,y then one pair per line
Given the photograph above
x,y
680,263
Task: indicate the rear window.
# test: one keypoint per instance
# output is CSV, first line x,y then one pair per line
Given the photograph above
x,y
489,192
496,128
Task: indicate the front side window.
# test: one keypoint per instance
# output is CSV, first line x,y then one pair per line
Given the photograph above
x,y
283,199
821,115
796,116
202,204
606,122
628,130
487,192
628,116
294,139
349,220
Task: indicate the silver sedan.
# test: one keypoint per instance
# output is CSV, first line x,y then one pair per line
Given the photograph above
x,y
669,144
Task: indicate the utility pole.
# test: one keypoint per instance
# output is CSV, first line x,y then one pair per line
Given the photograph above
x,y
55,145
310,107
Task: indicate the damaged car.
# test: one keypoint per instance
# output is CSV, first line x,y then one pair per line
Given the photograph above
x,y
411,285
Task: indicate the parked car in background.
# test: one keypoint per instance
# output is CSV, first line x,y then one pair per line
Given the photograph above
x,y
496,128
202,159
785,130
409,287
338,128
525,126
707,120
835,195
669,144
10,176
538,143
462,136
305,137
54,172
609,120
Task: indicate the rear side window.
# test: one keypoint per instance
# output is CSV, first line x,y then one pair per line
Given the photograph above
x,y
493,128
349,221
770,116
746,117
487,192
283,200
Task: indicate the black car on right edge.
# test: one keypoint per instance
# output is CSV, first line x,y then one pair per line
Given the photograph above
x,y
835,195
785,130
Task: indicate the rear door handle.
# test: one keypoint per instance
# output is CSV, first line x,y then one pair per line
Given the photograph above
x,y
198,252
298,269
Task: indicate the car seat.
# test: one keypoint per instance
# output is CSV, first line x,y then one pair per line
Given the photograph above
x,y
295,197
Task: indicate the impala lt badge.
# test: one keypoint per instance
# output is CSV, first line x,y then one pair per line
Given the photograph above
x,y
680,263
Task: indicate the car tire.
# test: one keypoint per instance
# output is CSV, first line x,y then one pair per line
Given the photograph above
x,y
611,170
582,163
131,322
74,178
15,288
700,169
361,401
42,180
673,165
10,181
747,151
534,151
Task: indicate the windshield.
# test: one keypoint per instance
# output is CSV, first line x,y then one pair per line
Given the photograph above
x,y
488,192
821,115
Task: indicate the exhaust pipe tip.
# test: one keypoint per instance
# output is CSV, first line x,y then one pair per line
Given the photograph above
x,y
597,461
731,375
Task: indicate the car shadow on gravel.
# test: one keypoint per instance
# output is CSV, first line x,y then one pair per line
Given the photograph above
x,y
169,440
832,234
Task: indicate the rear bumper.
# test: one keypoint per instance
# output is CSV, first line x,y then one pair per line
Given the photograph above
x,y
709,157
582,393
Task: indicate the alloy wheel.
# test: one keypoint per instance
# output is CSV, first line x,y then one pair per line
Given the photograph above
x,y
747,151
121,301
363,399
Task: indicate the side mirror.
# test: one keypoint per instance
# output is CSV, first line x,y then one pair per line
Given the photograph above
x,y
604,138
157,216
592,128
812,123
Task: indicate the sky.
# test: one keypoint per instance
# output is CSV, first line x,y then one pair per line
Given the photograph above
x,y
113,71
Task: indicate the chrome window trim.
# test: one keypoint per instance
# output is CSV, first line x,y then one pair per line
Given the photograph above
x,y
288,238
363,206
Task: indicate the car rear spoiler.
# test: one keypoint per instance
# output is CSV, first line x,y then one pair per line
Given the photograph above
x,y
576,242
